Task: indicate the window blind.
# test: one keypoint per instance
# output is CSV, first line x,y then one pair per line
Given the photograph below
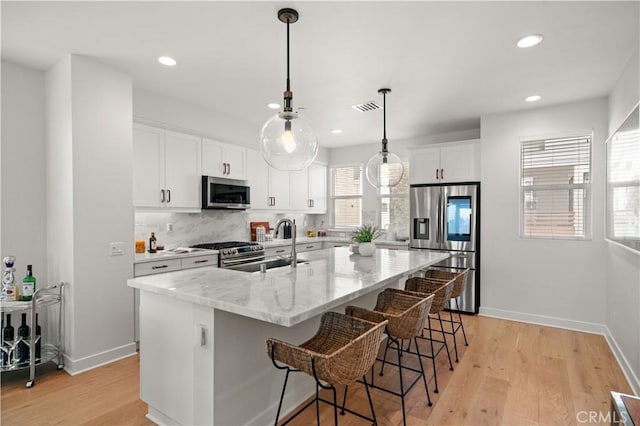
x,y
346,194
555,188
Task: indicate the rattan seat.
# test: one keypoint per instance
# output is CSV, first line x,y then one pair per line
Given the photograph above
x,y
441,290
459,278
405,314
343,349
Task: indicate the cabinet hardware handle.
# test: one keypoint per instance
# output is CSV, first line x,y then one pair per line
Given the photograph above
x,y
203,336
280,251
162,192
160,267
313,203
201,261
437,174
229,166
441,173
309,246
168,195
274,201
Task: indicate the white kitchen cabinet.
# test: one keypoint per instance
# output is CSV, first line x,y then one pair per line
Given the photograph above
x,y
309,189
446,163
166,168
278,251
269,187
302,247
223,160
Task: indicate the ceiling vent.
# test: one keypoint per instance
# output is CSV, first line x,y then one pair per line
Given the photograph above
x,y
367,106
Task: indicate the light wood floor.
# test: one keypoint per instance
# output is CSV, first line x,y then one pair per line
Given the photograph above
x,y
511,373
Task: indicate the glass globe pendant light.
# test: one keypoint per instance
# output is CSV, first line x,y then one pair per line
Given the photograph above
x,y
288,141
385,169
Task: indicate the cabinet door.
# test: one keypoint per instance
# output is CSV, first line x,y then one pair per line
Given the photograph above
x,y
459,163
258,177
182,170
424,164
299,189
236,159
318,188
279,188
148,166
212,162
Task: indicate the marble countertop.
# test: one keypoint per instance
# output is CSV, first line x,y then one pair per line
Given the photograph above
x,y
288,296
304,240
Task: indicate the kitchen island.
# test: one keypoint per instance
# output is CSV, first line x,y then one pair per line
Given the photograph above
x,y
203,331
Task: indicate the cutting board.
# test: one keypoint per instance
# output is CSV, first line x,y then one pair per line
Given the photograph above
x,y
254,225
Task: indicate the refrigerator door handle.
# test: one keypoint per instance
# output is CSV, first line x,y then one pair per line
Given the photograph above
x,y
438,218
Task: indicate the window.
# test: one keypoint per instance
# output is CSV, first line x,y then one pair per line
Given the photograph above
x,y
346,195
394,205
555,188
623,184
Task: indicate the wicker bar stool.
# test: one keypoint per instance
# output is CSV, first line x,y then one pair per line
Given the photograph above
x,y
459,278
441,290
342,351
405,314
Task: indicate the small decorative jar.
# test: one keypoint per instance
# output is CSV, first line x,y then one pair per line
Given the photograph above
x,y
366,249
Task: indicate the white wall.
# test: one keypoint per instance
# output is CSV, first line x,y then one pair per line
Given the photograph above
x,y
23,170
555,282
89,196
623,266
182,116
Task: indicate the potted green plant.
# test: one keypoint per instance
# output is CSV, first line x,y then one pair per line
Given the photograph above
x,y
363,238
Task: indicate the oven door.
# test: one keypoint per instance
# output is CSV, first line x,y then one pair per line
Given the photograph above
x,y
220,193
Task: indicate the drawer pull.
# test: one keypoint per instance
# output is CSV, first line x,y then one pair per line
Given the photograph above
x,y
160,267
201,261
309,247
280,251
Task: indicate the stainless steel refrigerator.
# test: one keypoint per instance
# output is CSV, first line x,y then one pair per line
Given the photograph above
x,y
446,217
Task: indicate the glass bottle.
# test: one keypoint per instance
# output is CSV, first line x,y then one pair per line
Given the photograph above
x,y
22,354
152,243
38,339
28,285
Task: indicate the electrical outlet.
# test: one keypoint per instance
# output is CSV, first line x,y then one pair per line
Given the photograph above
x,y
169,227
116,249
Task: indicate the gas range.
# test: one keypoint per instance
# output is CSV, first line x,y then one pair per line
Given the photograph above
x,y
235,252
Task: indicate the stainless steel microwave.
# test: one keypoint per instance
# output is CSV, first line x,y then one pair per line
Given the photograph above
x,y
221,193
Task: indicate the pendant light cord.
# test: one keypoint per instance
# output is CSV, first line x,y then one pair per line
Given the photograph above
x,y
384,115
288,83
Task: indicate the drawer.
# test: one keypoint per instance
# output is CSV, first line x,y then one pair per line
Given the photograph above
x,y
277,251
392,246
199,261
327,244
308,247
156,267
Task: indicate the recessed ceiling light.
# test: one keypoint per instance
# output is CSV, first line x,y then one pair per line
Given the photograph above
x,y
274,105
166,60
533,98
336,131
530,40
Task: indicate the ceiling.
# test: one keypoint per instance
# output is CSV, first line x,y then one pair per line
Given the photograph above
x,y
447,63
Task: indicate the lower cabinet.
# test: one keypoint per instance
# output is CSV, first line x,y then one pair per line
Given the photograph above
x,y
176,360
302,247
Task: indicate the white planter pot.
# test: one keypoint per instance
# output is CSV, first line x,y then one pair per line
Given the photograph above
x,y
367,249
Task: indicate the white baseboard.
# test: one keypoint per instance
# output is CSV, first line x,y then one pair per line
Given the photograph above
x,y
583,326
77,366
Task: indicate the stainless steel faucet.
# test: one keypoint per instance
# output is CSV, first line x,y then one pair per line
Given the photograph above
x,y
294,255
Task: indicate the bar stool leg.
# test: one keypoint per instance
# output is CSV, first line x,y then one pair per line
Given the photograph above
x,y
461,324
453,332
318,403
444,339
373,413
404,417
433,359
335,406
384,358
424,378
344,400
284,387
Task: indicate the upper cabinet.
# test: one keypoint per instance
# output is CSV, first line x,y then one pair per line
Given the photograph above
x,y
272,189
309,189
223,160
166,169
446,163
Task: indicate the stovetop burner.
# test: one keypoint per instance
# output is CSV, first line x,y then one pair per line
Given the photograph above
x,y
225,245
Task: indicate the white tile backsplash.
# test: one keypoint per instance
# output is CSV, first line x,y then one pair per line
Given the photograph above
x,y
208,226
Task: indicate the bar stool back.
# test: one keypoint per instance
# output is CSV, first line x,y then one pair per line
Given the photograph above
x,y
343,349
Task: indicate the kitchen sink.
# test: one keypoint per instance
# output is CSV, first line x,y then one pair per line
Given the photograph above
x,y
270,264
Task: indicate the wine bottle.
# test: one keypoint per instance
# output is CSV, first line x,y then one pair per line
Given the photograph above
x,y
4,360
152,243
38,339
28,285
22,354
7,339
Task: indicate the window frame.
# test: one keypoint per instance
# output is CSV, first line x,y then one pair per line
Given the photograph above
x,y
587,187
333,197
391,197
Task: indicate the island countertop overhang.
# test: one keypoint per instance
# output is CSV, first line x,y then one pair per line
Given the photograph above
x,y
287,296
